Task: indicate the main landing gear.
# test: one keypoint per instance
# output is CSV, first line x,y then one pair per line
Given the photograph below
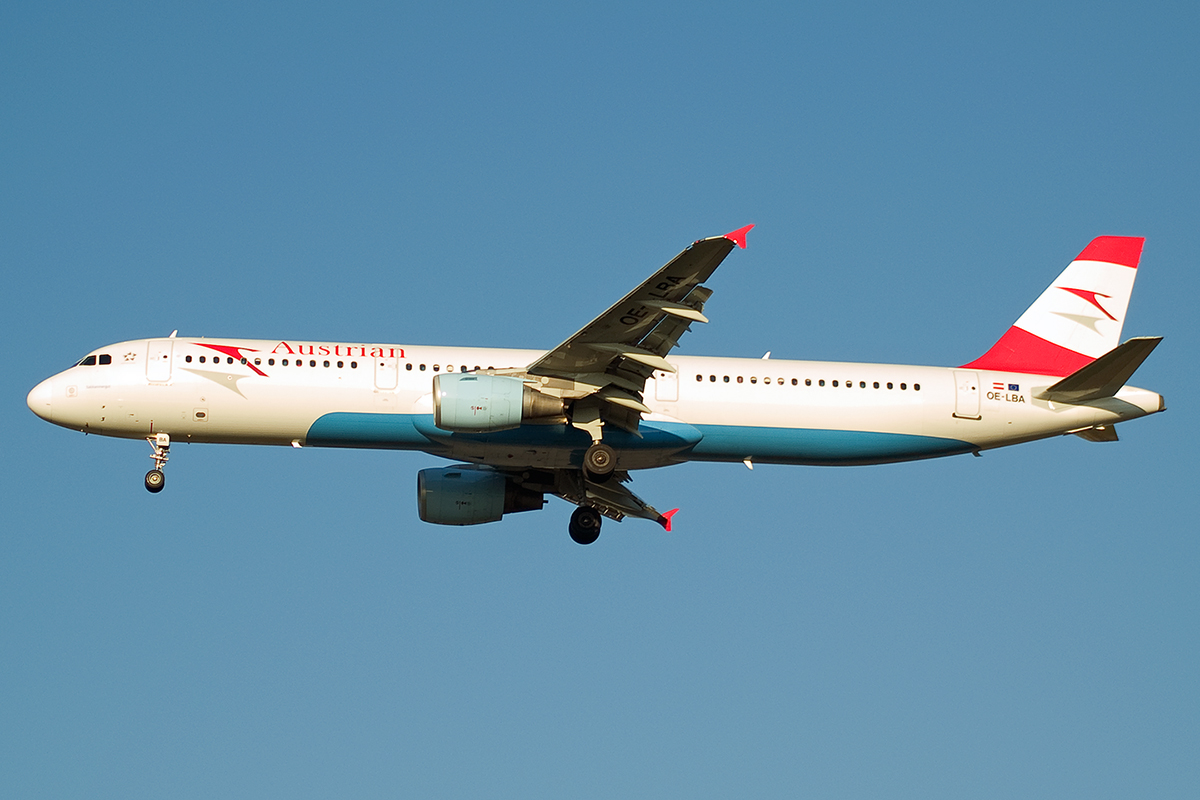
x,y
155,480
599,462
585,525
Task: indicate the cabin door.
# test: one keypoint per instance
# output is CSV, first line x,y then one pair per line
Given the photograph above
x,y
158,360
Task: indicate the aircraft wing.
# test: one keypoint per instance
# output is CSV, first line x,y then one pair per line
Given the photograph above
x,y
612,356
611,498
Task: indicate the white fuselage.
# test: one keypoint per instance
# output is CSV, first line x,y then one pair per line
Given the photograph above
x,y
716,409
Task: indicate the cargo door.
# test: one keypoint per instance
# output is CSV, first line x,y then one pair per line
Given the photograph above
x,y
966,398
158,360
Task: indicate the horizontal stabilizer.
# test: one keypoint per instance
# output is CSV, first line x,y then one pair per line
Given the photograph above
x,y
1099,433
1105,376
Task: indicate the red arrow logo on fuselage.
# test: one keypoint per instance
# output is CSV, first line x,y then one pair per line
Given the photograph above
x,y
234,353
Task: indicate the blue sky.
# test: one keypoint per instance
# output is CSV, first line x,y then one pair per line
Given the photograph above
x,y
278,623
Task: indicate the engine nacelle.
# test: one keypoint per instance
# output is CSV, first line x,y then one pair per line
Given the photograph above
x,y
468,494
477,403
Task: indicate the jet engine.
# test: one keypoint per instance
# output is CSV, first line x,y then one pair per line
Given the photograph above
x,y
468,494
477,403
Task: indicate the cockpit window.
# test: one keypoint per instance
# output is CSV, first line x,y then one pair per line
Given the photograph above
x,y
90,361
105,358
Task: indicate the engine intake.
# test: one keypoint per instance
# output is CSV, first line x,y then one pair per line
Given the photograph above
x,y
476,403
468,494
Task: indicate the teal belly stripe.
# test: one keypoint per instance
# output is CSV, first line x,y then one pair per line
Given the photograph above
x,y
818,447
376,431
706,442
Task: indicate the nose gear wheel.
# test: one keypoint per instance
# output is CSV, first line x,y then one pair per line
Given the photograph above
x,y
155,479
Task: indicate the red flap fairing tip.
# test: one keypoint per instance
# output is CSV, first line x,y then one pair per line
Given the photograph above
x,y
665,519
738,237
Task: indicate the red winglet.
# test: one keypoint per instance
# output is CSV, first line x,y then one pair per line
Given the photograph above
x,y
738,237
665,519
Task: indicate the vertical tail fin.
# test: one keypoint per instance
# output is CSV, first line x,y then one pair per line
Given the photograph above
x,y
1077,319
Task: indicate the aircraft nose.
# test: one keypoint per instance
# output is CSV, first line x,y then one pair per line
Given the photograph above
x,y
40,397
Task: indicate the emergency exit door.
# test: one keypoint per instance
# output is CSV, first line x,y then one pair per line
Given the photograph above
x,y
966,397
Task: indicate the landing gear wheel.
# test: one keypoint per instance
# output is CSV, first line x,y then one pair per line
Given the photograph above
x,y
599,462
585,525
155,480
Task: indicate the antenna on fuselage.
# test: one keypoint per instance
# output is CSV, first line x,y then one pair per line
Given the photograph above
x,y
172,336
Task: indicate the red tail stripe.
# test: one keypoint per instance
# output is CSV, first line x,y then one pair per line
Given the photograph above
x,y
1123,250
1020,351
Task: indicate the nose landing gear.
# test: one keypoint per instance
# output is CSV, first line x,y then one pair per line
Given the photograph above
x,y
155,479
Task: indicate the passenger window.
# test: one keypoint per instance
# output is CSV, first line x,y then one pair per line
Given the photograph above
x,y
326,363
904,386
312,362
862,384
340,365
436,367
753,379
201,359
712,378
271,362
258,362
835,383
739,379
105,358
699,377
727,379
821,382
408,366
228,359
807,381
284,362
889,384
188,359
353,365
245,361
422,368
876,384
916,387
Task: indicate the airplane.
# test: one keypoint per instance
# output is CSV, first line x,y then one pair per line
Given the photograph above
x,y
576,420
